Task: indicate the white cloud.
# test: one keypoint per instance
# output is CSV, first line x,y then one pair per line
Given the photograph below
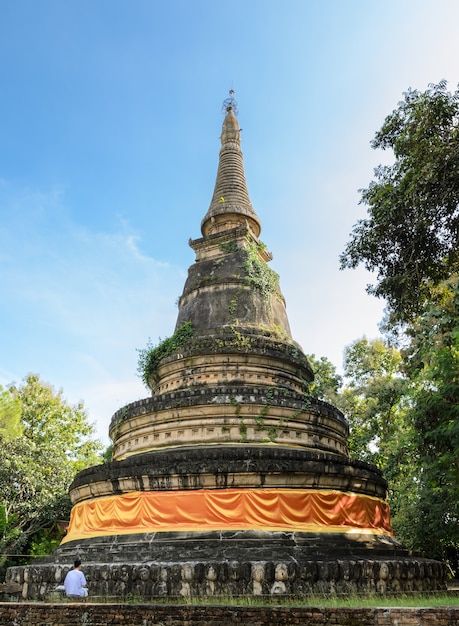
x,y
78,303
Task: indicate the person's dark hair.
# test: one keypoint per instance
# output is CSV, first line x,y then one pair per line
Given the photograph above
x,y
77,563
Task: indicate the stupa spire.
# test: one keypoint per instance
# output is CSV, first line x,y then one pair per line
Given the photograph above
x,y
230,205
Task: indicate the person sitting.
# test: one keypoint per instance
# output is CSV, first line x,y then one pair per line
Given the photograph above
x,y
75,582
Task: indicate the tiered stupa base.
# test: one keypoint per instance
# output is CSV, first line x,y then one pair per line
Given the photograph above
x,y
243,563
326,490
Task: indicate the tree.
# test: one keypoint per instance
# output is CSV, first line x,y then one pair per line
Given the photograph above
x,y
10,414
410,238
33,486
47,417
403,412
411,235
374,398
327,382
39,463
432,361
377,399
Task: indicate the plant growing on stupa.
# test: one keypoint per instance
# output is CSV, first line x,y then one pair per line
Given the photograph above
x,y
150,356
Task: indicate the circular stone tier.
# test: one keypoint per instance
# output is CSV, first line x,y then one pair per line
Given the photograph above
x,y
228,415
229,359
247,478
223,467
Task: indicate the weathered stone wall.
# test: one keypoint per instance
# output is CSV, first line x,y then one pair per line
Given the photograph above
x,y
85,614
194,580
248,466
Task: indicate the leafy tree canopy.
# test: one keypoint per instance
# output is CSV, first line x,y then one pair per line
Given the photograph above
x,y
46,417
433,364
373,398
327,382
39,460
10,414
411,235
403,412
365,361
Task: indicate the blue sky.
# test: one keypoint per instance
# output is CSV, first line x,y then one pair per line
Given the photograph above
x,y
110,117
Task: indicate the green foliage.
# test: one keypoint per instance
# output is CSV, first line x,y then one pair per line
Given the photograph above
x,y
39,464
433,364
10,414
411,235
259,274
107,455
233,303
313,600
46,417
377,400
33,485
365,360
403,413
45,542
229,246
150,356
327,382
409,419
374,399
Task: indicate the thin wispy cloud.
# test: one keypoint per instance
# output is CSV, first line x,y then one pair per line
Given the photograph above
x,y
73,300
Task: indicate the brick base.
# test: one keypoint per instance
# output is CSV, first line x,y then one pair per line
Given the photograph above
x,y
87,614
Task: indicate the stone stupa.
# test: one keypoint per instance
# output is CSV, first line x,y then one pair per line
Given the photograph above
x,y
230,478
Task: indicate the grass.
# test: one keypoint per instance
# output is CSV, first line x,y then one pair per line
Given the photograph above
x,y
414,600
400,601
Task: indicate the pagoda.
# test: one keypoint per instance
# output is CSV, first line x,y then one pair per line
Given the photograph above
x,y
230,478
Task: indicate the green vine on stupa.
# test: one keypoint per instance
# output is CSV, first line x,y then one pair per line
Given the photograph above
x,y
150,356
258,273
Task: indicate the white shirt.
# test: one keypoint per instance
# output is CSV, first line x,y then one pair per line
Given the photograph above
x,y
74,583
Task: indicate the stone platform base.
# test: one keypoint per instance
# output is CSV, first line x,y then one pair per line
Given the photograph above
x,y
117,614
144,580
254,563
227,546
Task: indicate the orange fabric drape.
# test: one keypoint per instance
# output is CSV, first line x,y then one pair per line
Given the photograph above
x,y
301,510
